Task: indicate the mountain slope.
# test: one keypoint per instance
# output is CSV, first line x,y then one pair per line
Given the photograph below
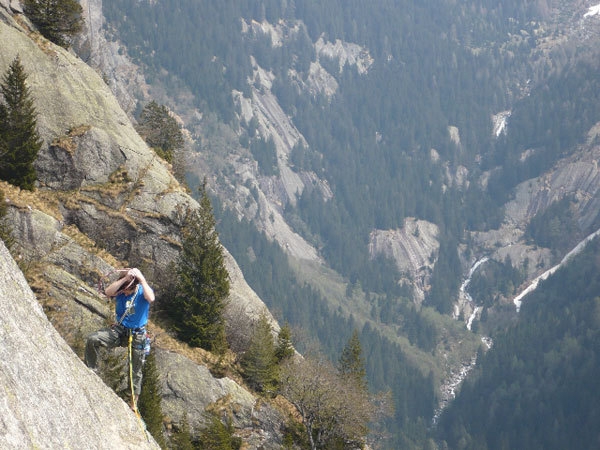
x,y
335,127
538,387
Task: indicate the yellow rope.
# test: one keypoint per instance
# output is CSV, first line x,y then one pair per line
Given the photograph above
x,y
133,402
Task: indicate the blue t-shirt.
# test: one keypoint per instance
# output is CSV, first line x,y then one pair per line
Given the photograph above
x,y
138,315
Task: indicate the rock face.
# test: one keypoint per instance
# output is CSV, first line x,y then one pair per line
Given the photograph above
x,y
414,248
577,177
190,388
123,76
345,53
49,399
12,5
275,192
117,187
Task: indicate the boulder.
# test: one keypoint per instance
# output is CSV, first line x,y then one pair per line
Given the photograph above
x,y
190,389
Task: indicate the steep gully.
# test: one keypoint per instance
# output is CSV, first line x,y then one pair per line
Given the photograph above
x,y
448,389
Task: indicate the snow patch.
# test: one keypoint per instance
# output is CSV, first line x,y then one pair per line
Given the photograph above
x,y
593,11
500,122
518,300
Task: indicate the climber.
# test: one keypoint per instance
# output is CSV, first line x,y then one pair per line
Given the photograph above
x,y
133,297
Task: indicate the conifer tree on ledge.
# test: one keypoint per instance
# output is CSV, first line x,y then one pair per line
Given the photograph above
x,y
160,130
19,140
202,284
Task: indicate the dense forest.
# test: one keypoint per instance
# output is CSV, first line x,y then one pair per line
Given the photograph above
x,y
435,65
425,77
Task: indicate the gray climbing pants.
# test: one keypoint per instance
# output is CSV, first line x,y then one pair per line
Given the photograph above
x,y
118,336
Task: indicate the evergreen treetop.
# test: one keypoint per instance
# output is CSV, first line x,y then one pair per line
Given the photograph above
x,y
57,20
18,122
351,363
160,130
218,435
150,401
260,360
285,347
181,439
202,281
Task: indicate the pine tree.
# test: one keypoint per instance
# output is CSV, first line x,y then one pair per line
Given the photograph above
x,y
181,439
260,361
219,436
202,281
149,402
352,364
285,348
57,20
18,122
160,130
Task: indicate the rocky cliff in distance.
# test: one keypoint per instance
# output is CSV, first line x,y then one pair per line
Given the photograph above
x,y
104,201
243,180
414,248
576,177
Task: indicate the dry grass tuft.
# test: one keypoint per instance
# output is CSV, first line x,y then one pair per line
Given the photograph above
x,y
223,364
43,201
119,184
90,246
79,130
66,142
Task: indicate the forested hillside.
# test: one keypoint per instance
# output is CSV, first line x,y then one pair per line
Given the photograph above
x,y
539,387
434,110
372,140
